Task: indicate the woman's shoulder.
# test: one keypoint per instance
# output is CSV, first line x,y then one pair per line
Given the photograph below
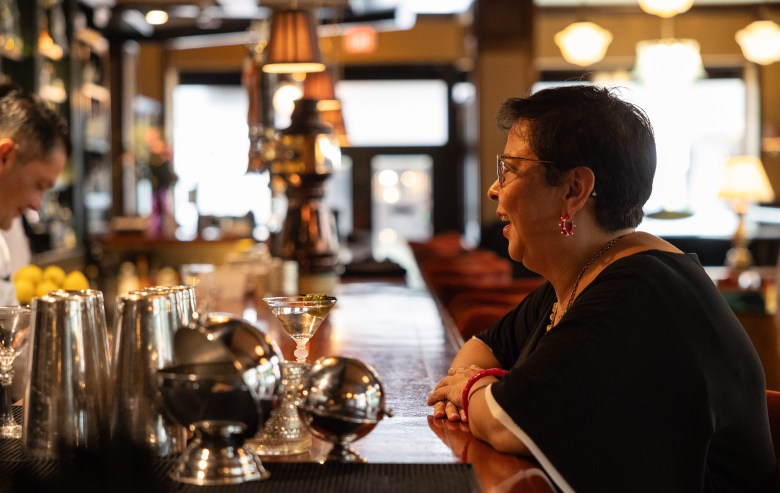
x,y
645,250
660,258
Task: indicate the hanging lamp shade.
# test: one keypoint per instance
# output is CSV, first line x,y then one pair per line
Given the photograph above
x,y
335,118
760,42
665,8
319,86
583,43
293,45
670,62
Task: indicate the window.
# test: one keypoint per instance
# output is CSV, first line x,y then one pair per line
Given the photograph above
x,y
697,129
210,148
384,113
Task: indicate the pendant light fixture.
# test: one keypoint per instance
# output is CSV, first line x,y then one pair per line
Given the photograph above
x,y
760,42
665,8
319,86
583,43
668,61
293,45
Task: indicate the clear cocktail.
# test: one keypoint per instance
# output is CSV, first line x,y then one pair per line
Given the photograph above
x,y
300,317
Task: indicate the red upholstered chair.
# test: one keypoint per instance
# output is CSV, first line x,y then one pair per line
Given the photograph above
x,y
475,308
450,243
446,289
474,320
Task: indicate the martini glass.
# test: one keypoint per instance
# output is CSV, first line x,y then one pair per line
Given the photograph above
x,y
14,325
300,317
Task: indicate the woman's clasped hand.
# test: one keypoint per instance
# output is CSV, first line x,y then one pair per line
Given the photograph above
x,y
446,397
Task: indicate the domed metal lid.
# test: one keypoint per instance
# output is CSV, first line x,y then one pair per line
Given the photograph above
x,y
343,387
215,338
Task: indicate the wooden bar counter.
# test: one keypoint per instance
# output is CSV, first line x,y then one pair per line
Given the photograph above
x,y
394,328
398,331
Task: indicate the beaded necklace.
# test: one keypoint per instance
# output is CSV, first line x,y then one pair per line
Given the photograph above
x,y
577,281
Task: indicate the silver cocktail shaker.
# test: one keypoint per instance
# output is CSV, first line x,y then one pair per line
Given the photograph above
x,y
144,327
66,397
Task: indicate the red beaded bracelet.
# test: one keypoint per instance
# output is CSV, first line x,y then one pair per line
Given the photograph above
x,y
464,396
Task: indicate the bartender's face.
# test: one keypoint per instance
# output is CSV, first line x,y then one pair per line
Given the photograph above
x,y
22,184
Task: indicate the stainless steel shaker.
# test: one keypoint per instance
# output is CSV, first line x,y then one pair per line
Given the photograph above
x,y
182,302
144,327
66,397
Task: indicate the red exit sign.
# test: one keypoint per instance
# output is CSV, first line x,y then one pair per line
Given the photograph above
x,y
360,39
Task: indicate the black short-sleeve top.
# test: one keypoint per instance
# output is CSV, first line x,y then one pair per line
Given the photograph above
x,y
648,383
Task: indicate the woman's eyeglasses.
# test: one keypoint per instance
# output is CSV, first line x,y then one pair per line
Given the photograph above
x,y
502,168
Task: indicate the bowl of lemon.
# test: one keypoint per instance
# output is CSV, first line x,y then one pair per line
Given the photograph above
x,y
32,280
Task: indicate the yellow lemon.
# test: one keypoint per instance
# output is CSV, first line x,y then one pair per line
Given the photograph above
x,y
45,287
25,290
31,272
76,280
54,274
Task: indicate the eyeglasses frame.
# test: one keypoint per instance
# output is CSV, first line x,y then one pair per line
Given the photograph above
x,y
502,175
501,165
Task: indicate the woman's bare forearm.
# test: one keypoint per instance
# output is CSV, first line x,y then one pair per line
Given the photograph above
x,y
475,352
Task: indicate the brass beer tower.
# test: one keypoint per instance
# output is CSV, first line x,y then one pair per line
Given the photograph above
x,y
307,153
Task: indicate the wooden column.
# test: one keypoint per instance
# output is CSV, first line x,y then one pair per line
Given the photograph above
x,y
504,68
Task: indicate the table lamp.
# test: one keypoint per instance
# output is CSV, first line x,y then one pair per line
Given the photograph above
x,y
744,182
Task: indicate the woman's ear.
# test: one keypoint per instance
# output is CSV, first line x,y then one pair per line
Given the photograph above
x,y
580,184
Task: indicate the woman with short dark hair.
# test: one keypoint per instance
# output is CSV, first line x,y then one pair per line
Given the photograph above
x,y
627,371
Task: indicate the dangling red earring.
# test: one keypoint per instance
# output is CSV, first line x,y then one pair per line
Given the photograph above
x,y
567,226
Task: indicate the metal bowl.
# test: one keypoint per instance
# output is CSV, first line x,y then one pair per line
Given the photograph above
x,y
215,338
210,392
215,402
225,383
341,401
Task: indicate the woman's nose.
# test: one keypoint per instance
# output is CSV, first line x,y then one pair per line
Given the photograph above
x,y
493,190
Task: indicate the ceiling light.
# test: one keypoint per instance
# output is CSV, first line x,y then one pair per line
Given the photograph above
x,y
760,42
583,43
668,61
157,17
293,45
665,8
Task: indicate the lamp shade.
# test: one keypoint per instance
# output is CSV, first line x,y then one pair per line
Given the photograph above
x,y
583,43
668,61
335,118
665,8
319,86
745,180
760,42
293,45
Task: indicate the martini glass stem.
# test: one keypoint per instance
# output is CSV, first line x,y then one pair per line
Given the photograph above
x,y
8,426
301,353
